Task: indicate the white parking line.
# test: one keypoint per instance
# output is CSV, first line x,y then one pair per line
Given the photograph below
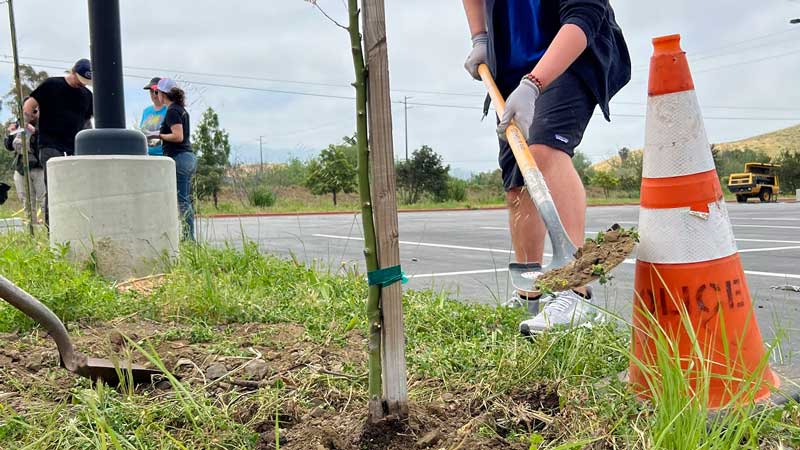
x,y
773,274
766,241
782,227
483,249
450,274
764,218
424,244
627,261
768,249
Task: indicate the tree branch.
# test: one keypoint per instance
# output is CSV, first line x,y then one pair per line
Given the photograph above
x,y
327,16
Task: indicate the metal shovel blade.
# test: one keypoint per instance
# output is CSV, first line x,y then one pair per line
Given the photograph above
x,y
104,369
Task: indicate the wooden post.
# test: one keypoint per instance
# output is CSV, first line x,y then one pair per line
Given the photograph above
x,y
395,389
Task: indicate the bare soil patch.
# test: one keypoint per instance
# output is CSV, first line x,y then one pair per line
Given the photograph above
x,y
325,403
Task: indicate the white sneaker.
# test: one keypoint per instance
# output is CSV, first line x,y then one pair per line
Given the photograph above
x,y
516,301
565,308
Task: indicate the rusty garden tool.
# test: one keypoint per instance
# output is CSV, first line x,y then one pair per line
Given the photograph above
x,y
72,360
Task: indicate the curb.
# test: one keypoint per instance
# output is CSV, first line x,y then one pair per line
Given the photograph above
x,y
404,211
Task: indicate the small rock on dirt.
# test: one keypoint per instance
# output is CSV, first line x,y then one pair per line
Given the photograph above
x,y
430,438
35,362
256,370
216,371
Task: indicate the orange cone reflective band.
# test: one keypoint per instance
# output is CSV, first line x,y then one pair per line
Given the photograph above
x,y
690,286
697,190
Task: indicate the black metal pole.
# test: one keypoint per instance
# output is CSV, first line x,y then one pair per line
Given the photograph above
x,y
104,30
110,136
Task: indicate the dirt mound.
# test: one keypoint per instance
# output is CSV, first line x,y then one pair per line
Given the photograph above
x,y
593,261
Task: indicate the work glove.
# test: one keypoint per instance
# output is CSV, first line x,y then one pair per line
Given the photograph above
x,y
478,54
520,107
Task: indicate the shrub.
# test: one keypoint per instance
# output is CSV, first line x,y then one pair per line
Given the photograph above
x,y
262,197
456,190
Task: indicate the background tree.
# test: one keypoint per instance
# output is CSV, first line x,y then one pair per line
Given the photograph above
x,y
425,172
30,78
628,171
789,172
605,180
332,172
213,154
583,165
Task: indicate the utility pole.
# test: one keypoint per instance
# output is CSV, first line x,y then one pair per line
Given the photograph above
x,y
405,121
261,151
23,121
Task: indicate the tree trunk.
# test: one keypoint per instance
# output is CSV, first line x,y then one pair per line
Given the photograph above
x,y
334,198
216,204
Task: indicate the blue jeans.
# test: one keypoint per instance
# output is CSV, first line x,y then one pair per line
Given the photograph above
x,y
185,166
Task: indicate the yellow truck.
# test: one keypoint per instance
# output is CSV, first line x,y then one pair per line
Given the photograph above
x,y
758,180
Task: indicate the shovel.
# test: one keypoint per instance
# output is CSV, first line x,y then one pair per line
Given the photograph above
x,y
72,360
563,248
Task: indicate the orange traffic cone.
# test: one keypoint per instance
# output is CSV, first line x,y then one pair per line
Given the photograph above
x,y
689,278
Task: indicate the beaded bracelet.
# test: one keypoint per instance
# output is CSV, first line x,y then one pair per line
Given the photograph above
x,y
533,79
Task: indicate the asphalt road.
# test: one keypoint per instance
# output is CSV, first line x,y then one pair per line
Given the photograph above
x,y
466,252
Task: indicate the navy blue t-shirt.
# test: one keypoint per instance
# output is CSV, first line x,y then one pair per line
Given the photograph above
x,y
520,39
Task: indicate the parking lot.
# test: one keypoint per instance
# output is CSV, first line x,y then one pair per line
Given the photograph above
x,y
466,253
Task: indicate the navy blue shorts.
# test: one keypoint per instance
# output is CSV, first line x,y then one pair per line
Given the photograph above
x,y
562,115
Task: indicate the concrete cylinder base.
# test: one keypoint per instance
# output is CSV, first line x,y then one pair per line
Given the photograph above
x,y
119,213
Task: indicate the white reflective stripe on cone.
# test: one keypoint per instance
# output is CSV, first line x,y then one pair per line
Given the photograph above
x,y
677,235
675,137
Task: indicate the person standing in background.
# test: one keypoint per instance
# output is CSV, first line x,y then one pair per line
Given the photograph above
x,y
174,134
13,142
152,117
65,108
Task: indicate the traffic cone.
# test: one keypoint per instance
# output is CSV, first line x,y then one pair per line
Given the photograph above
x,y
688,266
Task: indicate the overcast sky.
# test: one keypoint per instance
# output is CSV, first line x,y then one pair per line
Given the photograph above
x,y
744,55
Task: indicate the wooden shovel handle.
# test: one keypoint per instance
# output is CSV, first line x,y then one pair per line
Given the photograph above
x,y
519,146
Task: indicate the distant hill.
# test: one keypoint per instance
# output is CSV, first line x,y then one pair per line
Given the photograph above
x,y
770,143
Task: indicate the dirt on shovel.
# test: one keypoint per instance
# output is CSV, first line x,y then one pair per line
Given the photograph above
x,y
593,261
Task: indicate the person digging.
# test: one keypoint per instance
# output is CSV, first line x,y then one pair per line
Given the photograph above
x,y
554,61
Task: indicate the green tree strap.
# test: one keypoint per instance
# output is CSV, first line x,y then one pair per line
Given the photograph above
x,y
386,277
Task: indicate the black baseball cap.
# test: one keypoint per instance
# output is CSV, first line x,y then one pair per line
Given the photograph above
x,y
83,68
151,86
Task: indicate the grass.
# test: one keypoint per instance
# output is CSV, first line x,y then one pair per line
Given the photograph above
x,y
470,351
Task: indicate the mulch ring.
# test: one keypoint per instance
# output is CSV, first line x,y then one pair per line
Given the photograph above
x,y
327,418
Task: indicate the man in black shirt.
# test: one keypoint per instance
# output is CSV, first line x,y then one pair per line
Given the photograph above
x,y
65,108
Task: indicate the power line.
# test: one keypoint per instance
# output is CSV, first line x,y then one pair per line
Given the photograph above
x,y
313,94
421,104
270,80
710,53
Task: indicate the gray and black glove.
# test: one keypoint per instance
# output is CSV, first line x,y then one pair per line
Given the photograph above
x,y
520,107
478,55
